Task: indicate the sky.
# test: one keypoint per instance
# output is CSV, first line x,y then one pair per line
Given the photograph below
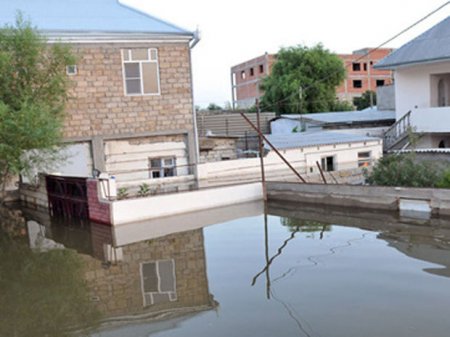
x,y
234,31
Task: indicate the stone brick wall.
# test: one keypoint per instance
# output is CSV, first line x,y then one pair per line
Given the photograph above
x,y
118,290
98,105
217,149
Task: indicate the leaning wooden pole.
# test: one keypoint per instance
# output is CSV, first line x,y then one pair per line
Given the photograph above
x,y
321,172
272,147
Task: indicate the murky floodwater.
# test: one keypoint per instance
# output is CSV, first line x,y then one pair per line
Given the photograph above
x,y
297,272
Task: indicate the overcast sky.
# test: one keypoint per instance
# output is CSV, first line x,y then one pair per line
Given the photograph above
x,y
234,31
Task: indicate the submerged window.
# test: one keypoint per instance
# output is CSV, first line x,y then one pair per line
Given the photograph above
x,y
140,70
158,282
364,159
162,167
328,163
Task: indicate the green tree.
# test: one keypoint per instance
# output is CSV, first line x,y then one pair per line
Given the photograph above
x,y
365,101
214,107
33,92
303,80
403,170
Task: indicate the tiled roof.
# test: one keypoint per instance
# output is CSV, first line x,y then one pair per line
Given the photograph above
x,y
98,16
307,139
431,46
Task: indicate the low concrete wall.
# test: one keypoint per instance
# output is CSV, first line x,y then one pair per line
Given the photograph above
x,y
34,196
372,197
133,210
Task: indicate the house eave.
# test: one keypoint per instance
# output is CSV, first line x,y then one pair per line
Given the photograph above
x,y
395,66
111,37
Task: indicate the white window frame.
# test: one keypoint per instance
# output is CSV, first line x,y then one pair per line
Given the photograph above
x,y
140,62
172,295
75,70
363,160
162,166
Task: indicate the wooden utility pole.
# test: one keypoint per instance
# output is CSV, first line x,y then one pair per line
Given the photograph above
x,y
261,150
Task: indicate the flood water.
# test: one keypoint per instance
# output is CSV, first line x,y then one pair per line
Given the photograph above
x,y
296,271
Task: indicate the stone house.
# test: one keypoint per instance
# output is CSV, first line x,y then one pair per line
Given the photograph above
x,y
422,90
131,108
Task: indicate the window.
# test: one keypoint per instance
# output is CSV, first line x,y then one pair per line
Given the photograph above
x,y
140,70
365,66
243,74
328,163
357,84
162,167
71,70
356,66
252,72
158,282
364,159
380,83
261,68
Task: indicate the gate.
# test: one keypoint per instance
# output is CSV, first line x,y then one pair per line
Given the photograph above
x,y
67,197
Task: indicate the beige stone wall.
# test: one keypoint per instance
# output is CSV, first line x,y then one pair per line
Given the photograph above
x,y
99,106
118,288
217,149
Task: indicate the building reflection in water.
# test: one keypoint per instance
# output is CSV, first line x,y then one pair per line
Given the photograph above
x,y
149,272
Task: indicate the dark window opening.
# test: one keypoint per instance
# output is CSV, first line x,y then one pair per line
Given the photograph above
x,y
261,68
328,163
365,66
380,83
441,144
356,66
357,84
252,72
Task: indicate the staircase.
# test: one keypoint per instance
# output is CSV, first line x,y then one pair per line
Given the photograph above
x,y
397,133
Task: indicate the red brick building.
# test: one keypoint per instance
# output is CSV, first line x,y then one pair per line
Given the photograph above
x,y
361,76
245,79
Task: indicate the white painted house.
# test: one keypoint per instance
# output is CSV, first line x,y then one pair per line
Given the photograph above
x,y
422,89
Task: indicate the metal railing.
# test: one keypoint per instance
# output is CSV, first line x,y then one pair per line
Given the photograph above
x,y
397,131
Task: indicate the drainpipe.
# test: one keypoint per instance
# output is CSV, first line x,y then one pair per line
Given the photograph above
x,y
192,44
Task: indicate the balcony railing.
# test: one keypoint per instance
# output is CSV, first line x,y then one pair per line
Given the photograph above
x,y
398,131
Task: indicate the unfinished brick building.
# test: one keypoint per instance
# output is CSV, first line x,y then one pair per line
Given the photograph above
x,y
361,76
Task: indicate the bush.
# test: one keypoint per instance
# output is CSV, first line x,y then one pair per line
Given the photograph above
x,y
403,170
445,180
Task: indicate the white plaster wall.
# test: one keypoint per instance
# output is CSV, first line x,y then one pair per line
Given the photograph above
x,y
79,161
284,125
303,159
431,119
126,211
413,89
129,161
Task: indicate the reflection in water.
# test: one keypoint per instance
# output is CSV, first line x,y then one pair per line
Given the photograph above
x,y
42,293
159,279
151,278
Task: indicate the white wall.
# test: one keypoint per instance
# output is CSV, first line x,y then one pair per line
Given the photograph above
x,y
128,160
284,125
303,159
133,210
413,86
79,161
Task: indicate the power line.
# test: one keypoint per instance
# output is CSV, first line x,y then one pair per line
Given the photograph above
x,y
369,52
